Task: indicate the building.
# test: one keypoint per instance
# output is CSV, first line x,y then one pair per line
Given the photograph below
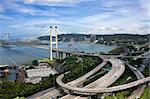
x,y
35,75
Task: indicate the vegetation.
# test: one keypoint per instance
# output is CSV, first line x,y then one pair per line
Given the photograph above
x,y
119,95
117,51
98,74
135,62
124,49
76,64
124,39
10,90
146,93
79,66
35,62
107,39
30,62
145,48
47,60
20,98
123,95
146,71
127,77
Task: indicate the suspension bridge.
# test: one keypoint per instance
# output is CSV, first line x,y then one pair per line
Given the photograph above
x,y
53,32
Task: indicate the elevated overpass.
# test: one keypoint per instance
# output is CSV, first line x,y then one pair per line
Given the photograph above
x,y
138,92
79,81
109,78
100,90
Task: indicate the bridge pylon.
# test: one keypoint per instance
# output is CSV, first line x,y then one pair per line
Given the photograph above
x,y
53,35
5,40
6,36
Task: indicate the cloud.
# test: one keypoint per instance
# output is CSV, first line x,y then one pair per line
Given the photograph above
x,y
36,12
20,8
35,24
1,8
56,1
145,4
4,17
78,16
96,17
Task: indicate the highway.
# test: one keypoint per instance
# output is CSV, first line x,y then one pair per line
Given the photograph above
x,y
100,90
103,82
51,94
46,94
117,70
97,86
79,81
54,92
138,92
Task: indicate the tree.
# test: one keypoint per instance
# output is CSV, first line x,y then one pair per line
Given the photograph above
x,y
34,62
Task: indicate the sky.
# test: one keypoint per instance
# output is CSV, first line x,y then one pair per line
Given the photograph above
x,y
30,18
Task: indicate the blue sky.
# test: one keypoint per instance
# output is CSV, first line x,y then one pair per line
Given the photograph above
x,y
28,18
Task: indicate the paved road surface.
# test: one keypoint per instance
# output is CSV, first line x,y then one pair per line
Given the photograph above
x,y
41,93
51,94
79,81
103,82
46,94
92,54
138,92
101,90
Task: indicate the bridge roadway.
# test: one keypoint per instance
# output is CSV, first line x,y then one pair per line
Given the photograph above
x,y
92,54
138,92
103,82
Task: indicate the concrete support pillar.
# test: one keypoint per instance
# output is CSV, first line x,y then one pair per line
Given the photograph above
x,y
64,55
61,55
57,55
67,54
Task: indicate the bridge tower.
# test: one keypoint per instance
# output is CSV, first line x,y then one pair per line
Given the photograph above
x,y
53,41
6,36
5,40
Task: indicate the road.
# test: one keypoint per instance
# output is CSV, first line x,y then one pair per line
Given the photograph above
x,y
46,94
79,81
51,94
91,54
103,82
54,92
100,90
117,70
138,92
